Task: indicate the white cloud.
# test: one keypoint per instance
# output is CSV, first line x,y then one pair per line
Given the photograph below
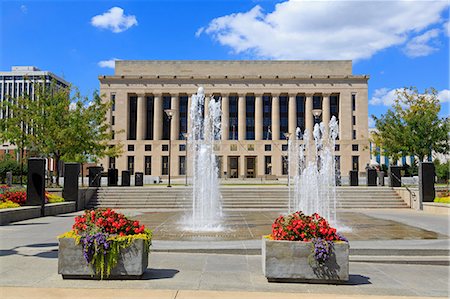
x,y
108,63
114,20
447,28
24,9
301,29
72,106
386,97
444,96
419,45
199,31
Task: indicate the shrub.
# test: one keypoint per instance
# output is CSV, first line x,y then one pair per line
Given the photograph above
x,y
19,197
53,198
8,204
442,199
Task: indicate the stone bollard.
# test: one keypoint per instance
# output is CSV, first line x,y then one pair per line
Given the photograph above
x,y
353,177
9,178
95,176
395,176
139,179
371,177
36,183
113,176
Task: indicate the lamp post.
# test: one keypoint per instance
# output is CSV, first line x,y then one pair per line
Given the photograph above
x,y
170,113
286,135
316,113
185,136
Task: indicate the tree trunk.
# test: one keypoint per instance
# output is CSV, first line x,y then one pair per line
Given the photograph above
x,y
57,158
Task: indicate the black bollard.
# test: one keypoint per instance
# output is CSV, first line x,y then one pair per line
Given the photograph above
x,y
113,176
353,177
371,177
125,178
139,179
395,176
95,176
36,183
426,181
71,175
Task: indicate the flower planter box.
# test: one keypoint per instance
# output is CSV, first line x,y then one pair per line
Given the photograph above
x,y
290,261
132,263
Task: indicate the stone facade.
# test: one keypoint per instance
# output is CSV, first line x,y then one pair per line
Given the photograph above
x,y
261,101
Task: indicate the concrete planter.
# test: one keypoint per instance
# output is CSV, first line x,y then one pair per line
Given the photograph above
x,y
132,262
289,261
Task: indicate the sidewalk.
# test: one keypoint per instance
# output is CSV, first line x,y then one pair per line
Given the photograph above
x,y
25,293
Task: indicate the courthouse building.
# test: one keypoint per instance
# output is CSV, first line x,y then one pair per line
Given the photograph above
x,y
263,102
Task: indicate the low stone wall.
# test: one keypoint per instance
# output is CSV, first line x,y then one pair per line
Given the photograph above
x,y
411,200
84,196
436,208
30,212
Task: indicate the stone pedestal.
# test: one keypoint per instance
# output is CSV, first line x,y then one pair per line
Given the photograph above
x,y
113,177
71,174
95,176
371,177
381,178
36,183
353,177
125,178
395,177
139,179
9,177
426,181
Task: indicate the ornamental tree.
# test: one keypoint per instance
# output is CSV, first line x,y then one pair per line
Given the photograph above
x,y
413,126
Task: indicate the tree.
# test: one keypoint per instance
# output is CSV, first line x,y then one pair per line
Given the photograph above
x,y
413,126
59,132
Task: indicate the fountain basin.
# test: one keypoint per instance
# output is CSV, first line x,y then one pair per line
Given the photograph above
x,y
291,261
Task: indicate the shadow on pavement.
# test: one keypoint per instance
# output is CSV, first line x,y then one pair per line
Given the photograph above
x,y
151,274
356,279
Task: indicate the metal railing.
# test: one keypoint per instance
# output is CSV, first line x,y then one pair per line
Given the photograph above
x,y
412,194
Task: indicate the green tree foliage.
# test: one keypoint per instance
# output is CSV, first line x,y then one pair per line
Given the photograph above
x,y
60,131
8,163
412,127
442,170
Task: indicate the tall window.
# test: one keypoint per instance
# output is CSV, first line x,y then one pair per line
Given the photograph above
x,y
300,112
284,108
334,106
132,117
284,161
250,117
268,164
165,165
353,101
113,101
182,165
355,162
112,163
267,117
148,165
354,134
150,118
233,117
183,114
166,125
130,164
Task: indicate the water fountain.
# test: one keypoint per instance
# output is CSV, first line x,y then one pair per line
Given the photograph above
x,y
312,170
205,130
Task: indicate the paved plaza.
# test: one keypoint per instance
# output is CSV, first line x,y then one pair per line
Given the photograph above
x,y
412,260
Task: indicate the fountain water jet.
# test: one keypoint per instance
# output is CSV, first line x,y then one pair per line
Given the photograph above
x,y
205,130
312,170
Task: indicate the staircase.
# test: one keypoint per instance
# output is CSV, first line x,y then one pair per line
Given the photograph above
x,y
237,198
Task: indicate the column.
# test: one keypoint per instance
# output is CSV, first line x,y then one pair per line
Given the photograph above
x,y
225,120
275,118
242,118
326,116
141,117
157,119
258,117
175,125
292,116
206,105
309,121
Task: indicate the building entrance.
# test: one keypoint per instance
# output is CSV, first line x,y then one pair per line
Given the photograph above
x,y
234,167
250,167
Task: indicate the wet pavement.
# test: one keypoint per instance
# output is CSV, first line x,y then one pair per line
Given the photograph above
x,y
252,225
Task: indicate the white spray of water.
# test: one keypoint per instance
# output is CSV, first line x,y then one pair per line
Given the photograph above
x,y
205,130
312,169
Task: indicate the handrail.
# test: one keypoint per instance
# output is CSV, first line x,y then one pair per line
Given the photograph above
x,y
412,195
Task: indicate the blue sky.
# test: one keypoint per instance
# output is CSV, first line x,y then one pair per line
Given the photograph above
x,y
397,43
